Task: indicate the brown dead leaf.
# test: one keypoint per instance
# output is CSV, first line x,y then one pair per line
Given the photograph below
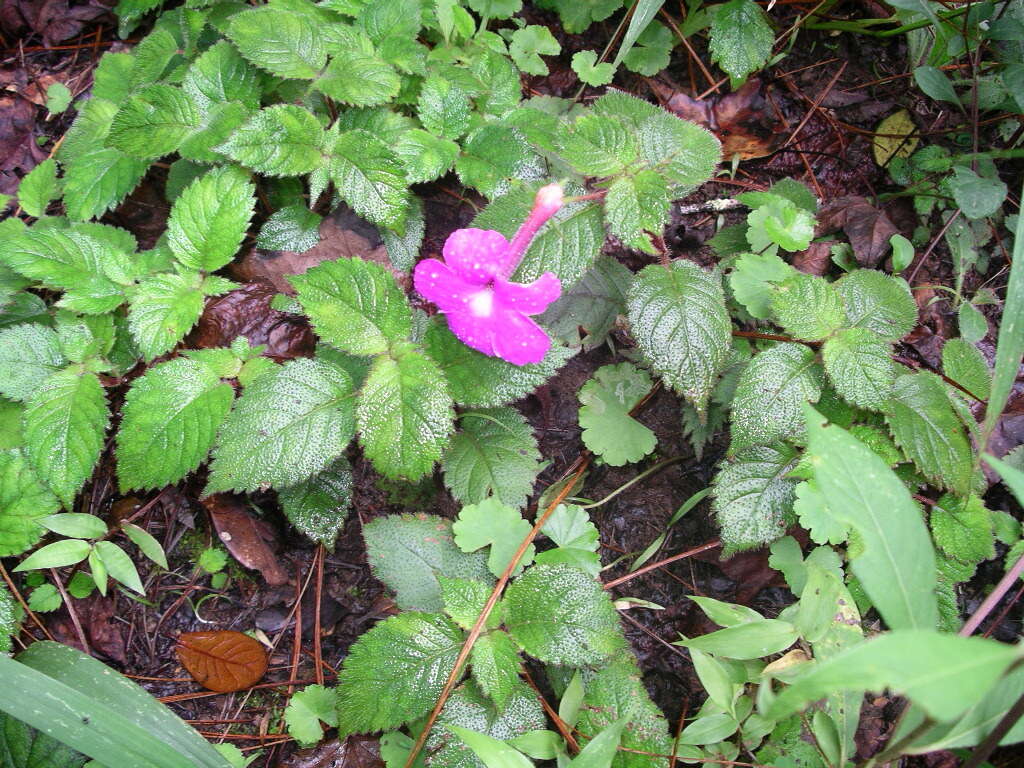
x,y
353,752
245,536
815,260
102,629
343,234
222,660
741,120
53,20
867,227
247,312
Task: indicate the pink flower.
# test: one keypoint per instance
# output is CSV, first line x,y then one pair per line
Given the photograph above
x,y
471,287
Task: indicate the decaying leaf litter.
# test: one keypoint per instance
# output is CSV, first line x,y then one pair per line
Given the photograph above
x,y
810,116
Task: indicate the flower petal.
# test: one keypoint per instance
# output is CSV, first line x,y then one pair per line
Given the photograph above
x,y
476,255
531,298
521,341
472,332
437,282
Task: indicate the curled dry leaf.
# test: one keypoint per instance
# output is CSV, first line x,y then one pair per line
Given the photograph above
x,y
245,536
222,660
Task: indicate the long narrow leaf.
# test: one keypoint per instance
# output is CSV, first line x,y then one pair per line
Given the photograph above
x,y
642,15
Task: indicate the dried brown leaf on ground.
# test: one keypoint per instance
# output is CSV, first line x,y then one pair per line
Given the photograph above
x,y
867,227
245,536
100,623
816,259
53,20
222,660
353,752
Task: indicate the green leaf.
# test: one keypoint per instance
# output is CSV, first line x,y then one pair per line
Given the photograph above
x,y
212,560
584,64
395,672
972,323
652,51
305,710
494,662
464,601
605,402
594,304
424,156
494,454
148,545
754,497
292,228
357,76
283,43
96,177
812,510
58,98
878,302
493,156
154,122
405,415
865,495
119,565
771,393
859,364
576,538
595,145
808,307
29,354
777,221
77,525
221,75
479,381
56,555
318,506
38,187
289,424
753,278
750,640
725,614
529,44
280,140
976,195
936,83
369,177
443,108
914,663
45,599
560,615
925,426
164,309
409,554
502,527
681,325
170,419
637,207
492,752
576,17
208,221
741,38
966,365
962,528
354,305
24,500
65,420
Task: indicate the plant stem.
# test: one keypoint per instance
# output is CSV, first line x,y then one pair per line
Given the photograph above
x,y
646,473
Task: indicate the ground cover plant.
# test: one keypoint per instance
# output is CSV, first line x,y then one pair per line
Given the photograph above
x,y
497,384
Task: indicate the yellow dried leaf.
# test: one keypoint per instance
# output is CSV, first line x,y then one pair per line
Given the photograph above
x,y
895,137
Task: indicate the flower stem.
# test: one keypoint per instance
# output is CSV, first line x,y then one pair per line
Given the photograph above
x,y
547,202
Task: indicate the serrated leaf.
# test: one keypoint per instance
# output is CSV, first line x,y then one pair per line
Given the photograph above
x,y
354,305
405,415
163,309
811,508
24,500
492,156
493,454
878,302
409,554
305,710
529,44
859,364
596,145
560,615
491,523
209,219
464,601
153,122
771,393
29,354
395,672
280,140
283,43
754,497
753,278
608,428
318,507
359,78
292,228
288,425
479,381
966,365
741,38
777,221
568,244
962,528
38,187
594,304
636,208
65,420
926,428
170,419
443,108
584,64
219,122
808,307
220,75
681,325
425,157
494,663
9,623
369,177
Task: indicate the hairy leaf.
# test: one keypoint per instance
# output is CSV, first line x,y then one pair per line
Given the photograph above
x,y
605,404
395,672
424,156
878,302
808,307
24,500
164,309
494,663
966,365
962,528
292,228
29,354
754,497
154,122
494,454
318,506
284,43
859,364
170,419
741,38
594,304
638,205
596,145
681,325
280,140
38,187
369,177
289,424
771,393
209,219
443,108
492,156
220,75
359,77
